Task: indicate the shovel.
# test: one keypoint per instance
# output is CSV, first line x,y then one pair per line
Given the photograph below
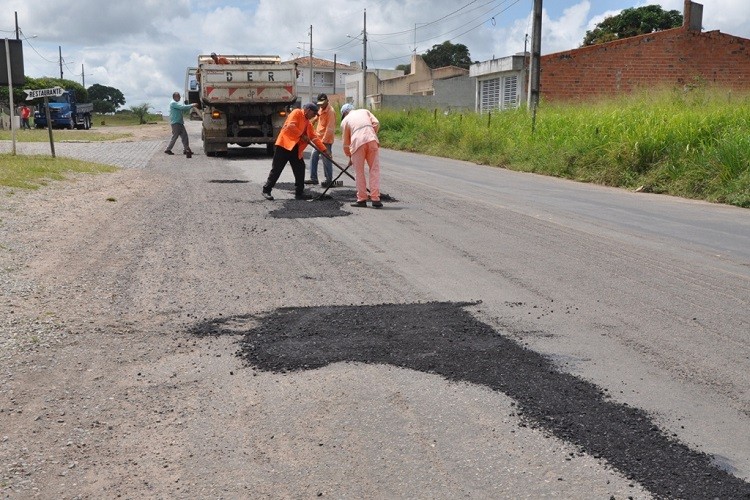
x,y
333,182
343,170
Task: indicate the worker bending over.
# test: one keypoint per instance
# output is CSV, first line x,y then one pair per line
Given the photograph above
x,y
359,129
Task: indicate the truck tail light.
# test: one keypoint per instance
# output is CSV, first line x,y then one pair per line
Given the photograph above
x,y
215,115
282,113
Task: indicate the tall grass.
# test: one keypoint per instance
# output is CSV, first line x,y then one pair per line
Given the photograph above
x,y
693,144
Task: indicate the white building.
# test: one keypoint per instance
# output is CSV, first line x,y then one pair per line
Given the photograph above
x,y
500,83
327,78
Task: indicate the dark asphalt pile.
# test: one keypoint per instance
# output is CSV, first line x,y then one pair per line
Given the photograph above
x,y
328,205
443,339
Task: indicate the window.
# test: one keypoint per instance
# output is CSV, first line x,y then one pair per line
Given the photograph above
x,y
323,79
510,91
489,95
498,93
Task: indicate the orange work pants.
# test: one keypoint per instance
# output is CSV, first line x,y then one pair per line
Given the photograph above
x,y
369,152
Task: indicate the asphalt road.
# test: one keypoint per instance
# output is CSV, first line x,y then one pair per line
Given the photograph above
x,y
644,295
486,334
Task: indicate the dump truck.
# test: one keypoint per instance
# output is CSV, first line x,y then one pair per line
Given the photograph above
x,y
65,112
244,103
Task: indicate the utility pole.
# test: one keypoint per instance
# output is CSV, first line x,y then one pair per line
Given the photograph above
x,y
83,78
536,49
334,73
59,48
311,66
10,96
17,30
364,62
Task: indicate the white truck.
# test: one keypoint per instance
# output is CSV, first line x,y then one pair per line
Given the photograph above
x,y
245,102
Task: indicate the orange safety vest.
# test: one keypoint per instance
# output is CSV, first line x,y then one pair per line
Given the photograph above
x,y
295,126
326,124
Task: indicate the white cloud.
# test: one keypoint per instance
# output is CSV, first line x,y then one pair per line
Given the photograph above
x,y
143,47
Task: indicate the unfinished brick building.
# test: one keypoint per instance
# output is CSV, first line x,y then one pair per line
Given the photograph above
x,y
675,57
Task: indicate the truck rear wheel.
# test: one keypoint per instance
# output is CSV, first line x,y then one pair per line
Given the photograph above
x,y
207,148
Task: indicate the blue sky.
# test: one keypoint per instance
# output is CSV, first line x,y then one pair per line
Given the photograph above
x,y
142,47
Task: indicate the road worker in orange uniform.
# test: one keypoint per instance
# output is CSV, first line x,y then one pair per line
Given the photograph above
x,y
294,137
326,128
359,130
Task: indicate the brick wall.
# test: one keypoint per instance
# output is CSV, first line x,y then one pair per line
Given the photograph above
x,y
671,57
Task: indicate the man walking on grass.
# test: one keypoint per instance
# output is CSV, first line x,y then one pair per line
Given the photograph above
x,y
178,125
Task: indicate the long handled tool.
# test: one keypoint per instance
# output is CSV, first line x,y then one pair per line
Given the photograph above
x,y
343,170
333,182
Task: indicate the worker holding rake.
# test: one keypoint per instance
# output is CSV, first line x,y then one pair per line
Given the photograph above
x,y
294,137
359,129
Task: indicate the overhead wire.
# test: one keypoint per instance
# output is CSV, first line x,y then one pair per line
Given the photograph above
x,y
480,24
483,16
430,22
453,14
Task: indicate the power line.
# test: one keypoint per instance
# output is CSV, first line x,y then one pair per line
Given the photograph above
x,y
26,39
483,16
453,14
480,24
431,22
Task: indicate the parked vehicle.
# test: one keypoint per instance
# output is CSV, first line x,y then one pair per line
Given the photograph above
x,y
65,112
244,102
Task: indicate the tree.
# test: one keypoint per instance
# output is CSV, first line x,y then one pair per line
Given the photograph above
x,y
632,22
406,68
103,107
44,82
106,99
141,112
447,54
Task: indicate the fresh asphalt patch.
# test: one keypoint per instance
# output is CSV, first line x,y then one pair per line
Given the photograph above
x,y
328,205
442,338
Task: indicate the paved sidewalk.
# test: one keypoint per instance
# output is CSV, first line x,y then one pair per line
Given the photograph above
x,y
120,154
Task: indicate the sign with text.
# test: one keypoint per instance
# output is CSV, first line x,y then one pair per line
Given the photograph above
x,y
35,94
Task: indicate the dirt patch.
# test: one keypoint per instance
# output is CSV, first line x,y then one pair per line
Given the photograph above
x,y
147,132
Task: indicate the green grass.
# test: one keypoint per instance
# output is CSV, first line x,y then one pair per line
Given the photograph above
x,y
61,135
32,172
693,144
99,122
122,119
